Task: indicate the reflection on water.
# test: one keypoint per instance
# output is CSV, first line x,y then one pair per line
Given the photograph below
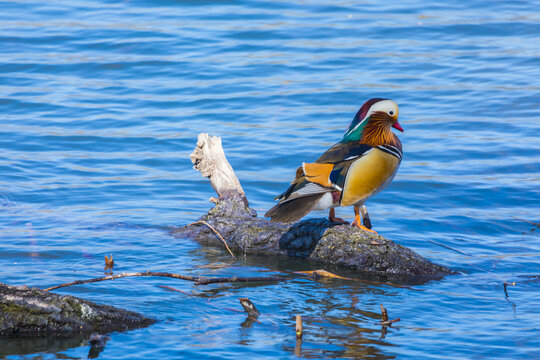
x,y
23,346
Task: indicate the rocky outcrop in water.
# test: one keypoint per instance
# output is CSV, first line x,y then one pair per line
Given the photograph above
x,y
313,239
26,311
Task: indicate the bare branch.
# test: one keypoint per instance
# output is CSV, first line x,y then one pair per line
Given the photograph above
x,y
384,318
506,284
299,328
388,323
384,314
215,232
206,281
448,247
530,222
197,279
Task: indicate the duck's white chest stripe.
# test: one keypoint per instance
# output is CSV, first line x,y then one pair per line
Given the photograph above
x,y
357,155
391,149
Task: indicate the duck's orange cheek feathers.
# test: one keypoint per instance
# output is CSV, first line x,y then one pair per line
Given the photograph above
x,y
368,175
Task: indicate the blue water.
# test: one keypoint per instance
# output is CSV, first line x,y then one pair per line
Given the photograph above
x,y
101,103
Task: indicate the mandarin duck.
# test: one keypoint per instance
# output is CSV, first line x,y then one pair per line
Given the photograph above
x,y
363,163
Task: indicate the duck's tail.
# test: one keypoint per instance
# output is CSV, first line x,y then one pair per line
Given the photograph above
x,y
293,209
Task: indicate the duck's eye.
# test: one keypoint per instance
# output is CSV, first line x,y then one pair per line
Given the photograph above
x,y
391,113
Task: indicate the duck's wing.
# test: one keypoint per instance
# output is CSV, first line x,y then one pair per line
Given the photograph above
x,y
340,157
343,152
313,180
327,173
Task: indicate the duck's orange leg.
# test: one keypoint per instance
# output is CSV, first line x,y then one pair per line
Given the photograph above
x,y
332,217
358,222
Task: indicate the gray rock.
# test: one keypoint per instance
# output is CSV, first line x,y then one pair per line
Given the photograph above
x,y
314,239
28,312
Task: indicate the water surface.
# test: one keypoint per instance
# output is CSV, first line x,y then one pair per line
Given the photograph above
x,y
101,104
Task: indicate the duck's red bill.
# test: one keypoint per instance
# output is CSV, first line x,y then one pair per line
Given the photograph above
x,y
397,126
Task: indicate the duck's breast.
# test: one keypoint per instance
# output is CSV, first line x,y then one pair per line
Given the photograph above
x,y
369,175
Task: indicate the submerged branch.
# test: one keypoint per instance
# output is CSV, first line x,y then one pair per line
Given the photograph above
x,y
384,318
198,280
450,248
530,222
299,328
388,323
235,279
505,284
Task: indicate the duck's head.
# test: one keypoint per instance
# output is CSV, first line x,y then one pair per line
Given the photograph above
x,y
375,117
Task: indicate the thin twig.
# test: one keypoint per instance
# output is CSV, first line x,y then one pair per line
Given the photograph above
x,y
197,279
321,273
448,247
173,289
505,284
530,222
299,328
388,323
206,281
384,317
384,314
215,232
112,277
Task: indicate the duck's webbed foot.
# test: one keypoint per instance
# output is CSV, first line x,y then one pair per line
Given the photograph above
x,y
332,217
357,222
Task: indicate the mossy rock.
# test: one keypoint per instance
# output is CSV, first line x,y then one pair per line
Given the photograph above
x,y
26,311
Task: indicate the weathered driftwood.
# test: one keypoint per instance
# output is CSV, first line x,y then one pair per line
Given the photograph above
x,y
28,311
209,158
315,239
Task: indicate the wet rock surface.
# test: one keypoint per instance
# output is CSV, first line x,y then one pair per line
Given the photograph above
x,y
314,239
32,312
